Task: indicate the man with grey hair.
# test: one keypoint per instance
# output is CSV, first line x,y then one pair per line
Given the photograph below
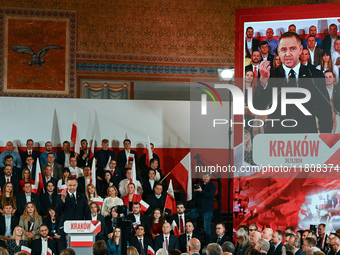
x,y
194,246
262,245
277,241
243,241
267,234
213,249
295,241
228,247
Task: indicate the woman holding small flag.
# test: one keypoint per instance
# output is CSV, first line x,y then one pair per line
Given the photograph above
x,y
17,240
30,221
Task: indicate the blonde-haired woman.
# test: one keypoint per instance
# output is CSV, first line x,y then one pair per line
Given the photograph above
x,y
111,200
18,239
31,221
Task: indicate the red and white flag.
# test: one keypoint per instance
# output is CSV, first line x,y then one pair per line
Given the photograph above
x,y
26,249
144,205
182,173
0,192
81,241
61,188
49,251
107,168
75,135
16,149
98,200
92,148
149,154
93,172
38,181
133,178
170,202
175,228
150,251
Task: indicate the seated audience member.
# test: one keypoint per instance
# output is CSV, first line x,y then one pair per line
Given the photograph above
x,y
180,218
30,165
267,234
17,240
9,178
10,151
100,248
186,236
94,207
276,61
8,197
154,164
114,244
264,50
308,243
91,194
137,218
86,180
143,165
68,251
30,221
52,222
262,245
230,247
48,198
131,197
213,248
313,32
84,154
222,236
326,63
76,172
156,220
7,224
29,152
57,170
277,241
48,176
106,183
149,184
139,176
124,155
26,197
329,40
102,157
295,241
111,200
123,185
242,241
254,237
42,244
43,156
140,241
26,177
194,246
272,42
62,182
65,154
314,52
170,240
305,59
157,199
116,174
16,171
111,222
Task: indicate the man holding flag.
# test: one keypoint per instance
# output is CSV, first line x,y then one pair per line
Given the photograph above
x,y
43,245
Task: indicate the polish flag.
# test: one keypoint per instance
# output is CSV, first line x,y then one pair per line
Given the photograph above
x,y
98,200
170,202
81,241
61,188
16,149
182,173
25,249
133,178
49,251
149,154
0,192
38,181
75,135
175,228
150,251
93,172
107,168
92,148
144,205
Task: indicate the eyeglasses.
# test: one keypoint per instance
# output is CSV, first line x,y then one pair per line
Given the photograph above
x,y
252,229
218,228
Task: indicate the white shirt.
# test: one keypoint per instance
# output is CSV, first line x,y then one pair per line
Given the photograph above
x,y
28,198
94,217
296,69
67,159
137,217
330,92
76,172
311,54
249,46
44,246
152,183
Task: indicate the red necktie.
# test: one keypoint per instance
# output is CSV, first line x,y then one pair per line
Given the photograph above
x,y
7,180
166,243
255,76
112,172
181,224
30,153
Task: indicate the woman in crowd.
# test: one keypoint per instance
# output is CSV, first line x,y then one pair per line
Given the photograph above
x,y
131,197
111,222
26,177
31,221
156,222
106,183
62,182
91,193
326,62
277,61
132,251
114,245
52,221
8,197
111,200
17,240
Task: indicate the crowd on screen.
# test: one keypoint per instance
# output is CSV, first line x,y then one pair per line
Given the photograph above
x,y
34,218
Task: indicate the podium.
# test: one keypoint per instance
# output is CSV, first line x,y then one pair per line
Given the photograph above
x,y
81,234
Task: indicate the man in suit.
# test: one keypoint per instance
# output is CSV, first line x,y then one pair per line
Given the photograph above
x,y
154,164
16,171
328,41
48,175
293,74
30,165
264,50
64,155
295,241
267,234
102,157
256,58
9,151
186,236
116,174
144,166
221,234
74,170
251,44
124,155
305,59
84,154
180,218
262,245
313,32
26,197
140,241
321,232
194,246
40,246
171,241
94,207
334,243
308,243
71,205
314,52
29,152
156,200
7,224
57,170
43,156
138,219
272,42
86,180
48,198
277,241
9,177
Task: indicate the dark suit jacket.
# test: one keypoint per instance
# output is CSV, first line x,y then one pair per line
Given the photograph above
x,y
146,242
81,185
183,240
121,160
61,157
299,252
14,223
175,218
145,167
102,234
154,202
224,239
336,98
250,67
278,250
271,248
69,210
318,105
326,43
173,242
14,181
55,180
254,45
81,162
102,161
36,246
57,170
45,202
21,202
144,221
24,155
